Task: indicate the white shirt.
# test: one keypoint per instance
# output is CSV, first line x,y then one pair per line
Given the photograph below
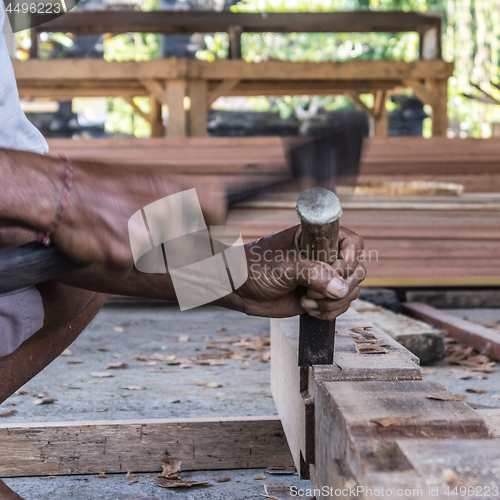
x,y
16,132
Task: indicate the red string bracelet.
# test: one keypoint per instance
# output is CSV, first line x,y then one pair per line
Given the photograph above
x,y
68,183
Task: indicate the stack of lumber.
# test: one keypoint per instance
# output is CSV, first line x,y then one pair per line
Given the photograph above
x,y
410,241
471,162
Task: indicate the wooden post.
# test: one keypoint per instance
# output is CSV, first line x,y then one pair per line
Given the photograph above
x,y
198,112
439,90
34,43
380,118
235,42
155,118
177,119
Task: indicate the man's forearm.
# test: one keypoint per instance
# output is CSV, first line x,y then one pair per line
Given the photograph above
x,y
30,188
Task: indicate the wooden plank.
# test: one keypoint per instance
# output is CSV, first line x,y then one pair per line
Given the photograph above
x,y
479,337
74,70
90,447
124,21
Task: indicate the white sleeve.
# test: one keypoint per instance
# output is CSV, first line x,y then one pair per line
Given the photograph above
x,y
16,131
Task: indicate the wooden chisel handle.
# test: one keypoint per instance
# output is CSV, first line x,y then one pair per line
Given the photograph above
x,y
319,211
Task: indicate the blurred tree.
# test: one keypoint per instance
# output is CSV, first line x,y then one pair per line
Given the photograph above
x,y
471,38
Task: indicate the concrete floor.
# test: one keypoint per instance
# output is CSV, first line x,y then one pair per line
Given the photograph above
x,y
242,486
123,330
459,378
119,332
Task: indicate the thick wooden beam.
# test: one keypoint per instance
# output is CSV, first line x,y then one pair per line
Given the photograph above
x,y
290,384
156,118
177,116
479,337
124,21
370,420
90,447
172,68
197,114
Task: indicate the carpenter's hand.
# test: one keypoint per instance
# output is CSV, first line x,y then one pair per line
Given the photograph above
x,y
94,227
282,283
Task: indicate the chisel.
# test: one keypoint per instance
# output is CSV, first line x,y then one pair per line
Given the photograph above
x,y
319,211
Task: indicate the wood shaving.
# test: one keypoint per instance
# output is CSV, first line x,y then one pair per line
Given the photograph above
x,y
259,477
117,366
283,471
366,342
169,477
44,401
135,388
102,475
118,329
222,480
130,479
163,357
21,392
101,375
477,391
163,482
66,352
170,468
447,397
7,413
212,385
387,421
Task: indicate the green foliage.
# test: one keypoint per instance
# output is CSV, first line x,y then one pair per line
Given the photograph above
x,y
471,39
121,116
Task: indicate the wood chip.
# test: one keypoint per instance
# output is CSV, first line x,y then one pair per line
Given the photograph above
x,y
212,385
447,397
117,366
21,392
100,410
163,357
170,468
259,477
141,357
163,482
222,480
477,391
7,413
367,348
135,388
387,421
118,329
214,355
101,375
44,401
102,475
495,396
74,362
130,479
66,352
282,471
182,338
